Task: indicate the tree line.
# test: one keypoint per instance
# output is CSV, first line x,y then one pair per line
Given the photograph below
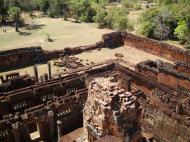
x,y
81,10
169,19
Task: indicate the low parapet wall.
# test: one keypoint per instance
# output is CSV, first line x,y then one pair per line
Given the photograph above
x,y
20,57
110,40
183,67
158,48
165,74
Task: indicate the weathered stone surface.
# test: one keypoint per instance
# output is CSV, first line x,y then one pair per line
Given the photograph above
x,y
162,71
110,110
162,90
21,57
158,48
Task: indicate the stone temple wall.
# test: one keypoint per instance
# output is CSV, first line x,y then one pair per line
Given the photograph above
x,y
20,57
165,73
30,55
183,67
158,48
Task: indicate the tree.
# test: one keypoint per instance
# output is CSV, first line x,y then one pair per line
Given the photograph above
x,y
86,11
100,17
113,18
1,8
83,9
147,22
163,24
161,30
58,8
43,5
15,13
181,31
121,21
123,24
132,4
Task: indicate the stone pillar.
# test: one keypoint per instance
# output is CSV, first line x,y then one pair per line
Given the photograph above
x,y
59,130
36,73
16,132
1,79
26,133
129,86
41,79
44,129
51,124
45,77
7,77
49,70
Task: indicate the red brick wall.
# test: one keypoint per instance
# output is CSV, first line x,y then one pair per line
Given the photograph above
x,y
158,48
19,57
183,69
168,80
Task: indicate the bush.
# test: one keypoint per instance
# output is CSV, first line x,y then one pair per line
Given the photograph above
x,y
82,9
100,17
133,5
147,23
114,18
121,21
187,45
43,5
123,24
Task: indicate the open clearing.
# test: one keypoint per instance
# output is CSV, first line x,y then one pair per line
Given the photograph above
x,y
131,55
63,33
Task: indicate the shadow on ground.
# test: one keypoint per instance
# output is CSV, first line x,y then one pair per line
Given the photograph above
x,y
35,27
19,66
24,33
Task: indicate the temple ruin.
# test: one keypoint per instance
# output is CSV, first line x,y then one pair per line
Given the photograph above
x,y
116,112
109,101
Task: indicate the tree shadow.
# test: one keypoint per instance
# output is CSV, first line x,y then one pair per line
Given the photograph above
x,y
11,24
35,27
24,33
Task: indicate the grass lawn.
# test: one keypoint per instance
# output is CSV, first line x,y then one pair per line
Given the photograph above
x,y
63,33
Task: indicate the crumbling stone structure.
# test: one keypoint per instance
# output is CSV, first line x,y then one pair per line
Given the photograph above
x,y
113,40
21,57
32,55
165,110
15,81
166,74
111,111
183,67
32,110
158,48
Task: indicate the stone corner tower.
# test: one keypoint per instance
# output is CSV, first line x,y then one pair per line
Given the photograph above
x,y
111,111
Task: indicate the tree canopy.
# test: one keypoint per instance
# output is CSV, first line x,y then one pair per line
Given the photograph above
x,y
168,20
